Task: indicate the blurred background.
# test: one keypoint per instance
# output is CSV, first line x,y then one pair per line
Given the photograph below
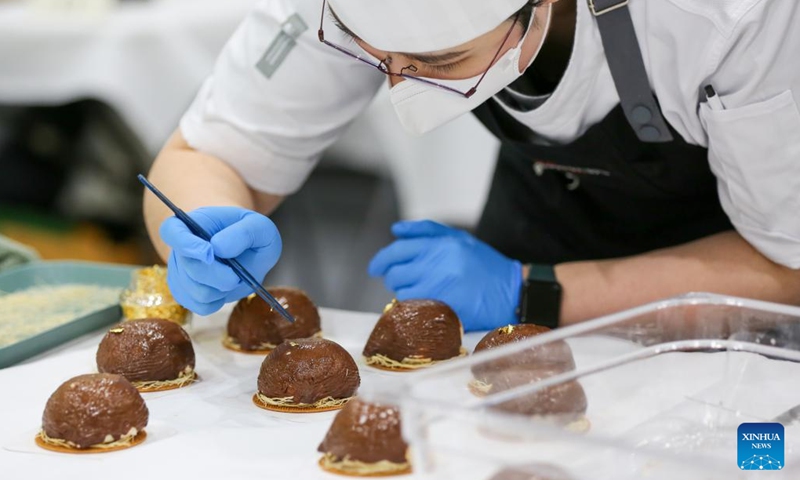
x,y
91,89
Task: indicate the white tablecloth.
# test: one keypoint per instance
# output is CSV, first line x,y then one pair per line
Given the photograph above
x,y
210,430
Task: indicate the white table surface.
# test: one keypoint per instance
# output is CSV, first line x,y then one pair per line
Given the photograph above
x,y
210,430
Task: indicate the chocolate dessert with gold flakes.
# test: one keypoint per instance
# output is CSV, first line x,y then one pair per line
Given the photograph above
x,y
563,403
414,334
152,353
254,327
364,441
307,375
93,413
556,356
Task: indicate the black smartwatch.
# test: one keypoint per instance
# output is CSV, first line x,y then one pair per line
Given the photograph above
x,y
540,298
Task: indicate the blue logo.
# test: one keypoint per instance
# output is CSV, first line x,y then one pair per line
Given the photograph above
x,y
760,446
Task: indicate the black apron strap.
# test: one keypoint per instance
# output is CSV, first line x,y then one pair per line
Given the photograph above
x,y
627,69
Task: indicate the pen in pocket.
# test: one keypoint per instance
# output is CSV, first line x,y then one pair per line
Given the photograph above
x,y
713,99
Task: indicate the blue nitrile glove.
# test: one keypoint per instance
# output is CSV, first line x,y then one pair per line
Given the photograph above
x,y
204,285
431,260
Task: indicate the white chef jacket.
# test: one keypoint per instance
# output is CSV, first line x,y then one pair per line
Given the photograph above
x,y
273,130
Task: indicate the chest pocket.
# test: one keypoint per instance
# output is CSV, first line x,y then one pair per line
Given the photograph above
x,y
754,151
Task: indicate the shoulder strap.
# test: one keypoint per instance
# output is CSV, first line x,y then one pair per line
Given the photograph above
x,y
627,69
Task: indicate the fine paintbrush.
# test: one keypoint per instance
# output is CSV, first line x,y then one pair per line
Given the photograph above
x,y
235,266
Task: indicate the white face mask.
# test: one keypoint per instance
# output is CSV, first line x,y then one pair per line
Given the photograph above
x,y
422,107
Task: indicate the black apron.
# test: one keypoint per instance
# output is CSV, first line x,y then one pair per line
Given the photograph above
x,y
623,188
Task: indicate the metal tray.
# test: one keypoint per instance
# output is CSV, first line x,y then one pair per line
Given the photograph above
x,y
53,273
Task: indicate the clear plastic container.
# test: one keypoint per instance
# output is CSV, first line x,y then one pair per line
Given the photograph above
x,y
666,385
148,296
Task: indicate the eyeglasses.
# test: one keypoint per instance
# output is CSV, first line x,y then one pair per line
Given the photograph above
x,y
383,69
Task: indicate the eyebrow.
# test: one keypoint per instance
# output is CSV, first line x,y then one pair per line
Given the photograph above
x,y
341,26
434,58
429,58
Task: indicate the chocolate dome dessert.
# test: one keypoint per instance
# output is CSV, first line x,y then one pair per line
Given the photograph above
x,y
255,327
532,472
564,403
307,375
152,353
365,440
98,412
414,334
508,334
555,356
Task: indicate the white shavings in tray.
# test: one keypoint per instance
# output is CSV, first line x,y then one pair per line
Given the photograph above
x,y
28,312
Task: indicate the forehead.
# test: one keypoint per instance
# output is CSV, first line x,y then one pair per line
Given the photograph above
x,y
418,26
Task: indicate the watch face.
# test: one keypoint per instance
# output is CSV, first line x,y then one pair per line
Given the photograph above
x,y
542,303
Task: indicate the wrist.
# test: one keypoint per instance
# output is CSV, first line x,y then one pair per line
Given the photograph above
x,y
526,270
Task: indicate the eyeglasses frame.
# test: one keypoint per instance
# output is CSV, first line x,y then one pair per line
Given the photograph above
x,y
382,68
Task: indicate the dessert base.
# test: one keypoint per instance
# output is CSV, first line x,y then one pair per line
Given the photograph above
x,y
354,468
382,362
63,446
184,380
286,405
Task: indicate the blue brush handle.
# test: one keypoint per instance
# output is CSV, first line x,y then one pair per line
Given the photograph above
x,y
237,267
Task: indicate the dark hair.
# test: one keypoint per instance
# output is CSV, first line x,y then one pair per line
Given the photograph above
x,y
526,12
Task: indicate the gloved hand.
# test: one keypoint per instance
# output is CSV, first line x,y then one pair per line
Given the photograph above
x,y
431,260
195,278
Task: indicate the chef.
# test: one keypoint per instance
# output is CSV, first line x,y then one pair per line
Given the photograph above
x,y
649,148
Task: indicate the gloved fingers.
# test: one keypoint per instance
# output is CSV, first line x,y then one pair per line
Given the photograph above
x,y
214,275
473,324
207,308
252,231
399,251
259,263
197,292
214,219
403,275
238,293
196,297
422,228
177,235
431,286
413,292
